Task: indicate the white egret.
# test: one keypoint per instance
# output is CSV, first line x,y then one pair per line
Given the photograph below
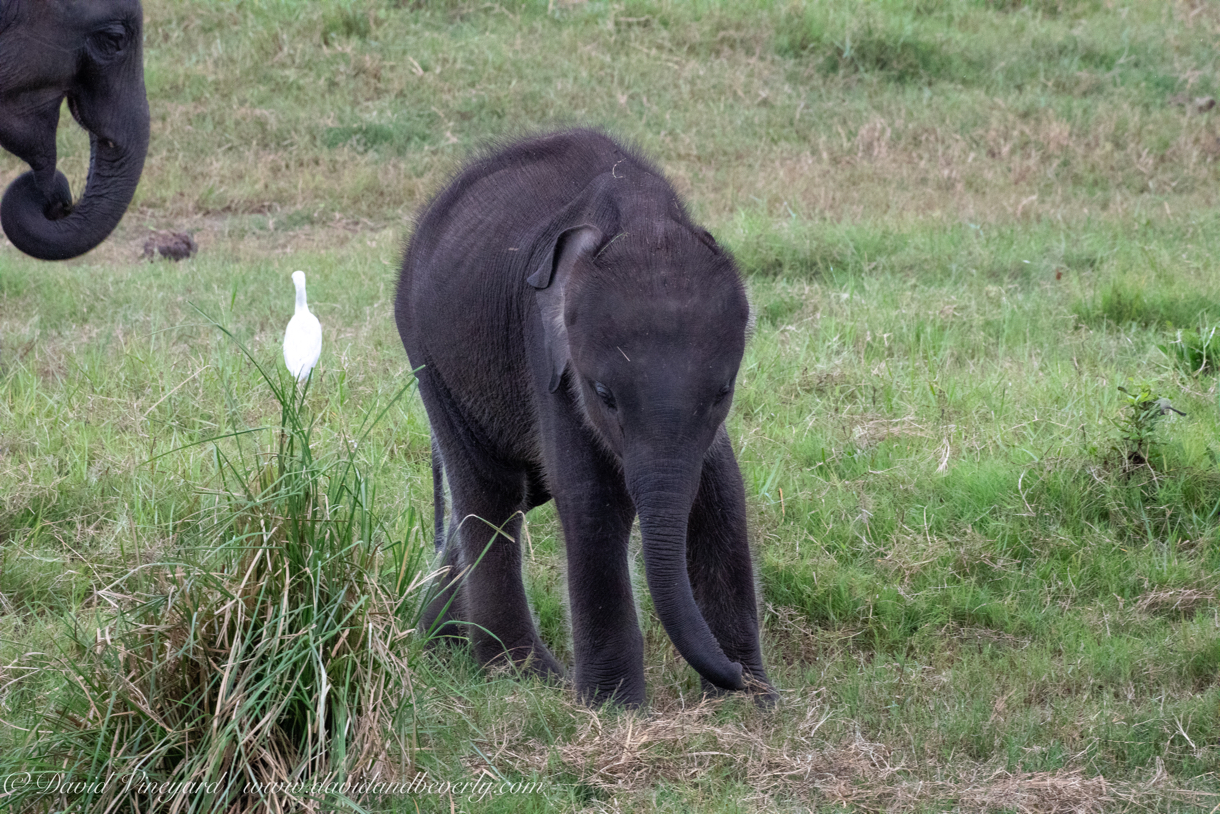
x,y
303,338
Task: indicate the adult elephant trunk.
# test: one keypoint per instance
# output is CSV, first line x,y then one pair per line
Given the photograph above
x,y
36,211
663,495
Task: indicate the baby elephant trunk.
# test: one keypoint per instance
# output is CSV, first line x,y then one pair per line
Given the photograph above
x,y
663,495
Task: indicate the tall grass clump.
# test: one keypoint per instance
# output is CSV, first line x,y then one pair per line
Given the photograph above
x,y
268,670
1130,300
862,41
1195,351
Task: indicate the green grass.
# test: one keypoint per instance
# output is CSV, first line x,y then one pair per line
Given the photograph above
x,y
965,225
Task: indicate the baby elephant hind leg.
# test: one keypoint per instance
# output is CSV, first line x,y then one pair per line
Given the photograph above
x,y
441,618
485,537
721,572
442,611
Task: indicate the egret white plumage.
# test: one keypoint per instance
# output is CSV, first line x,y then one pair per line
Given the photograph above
x,y
303,338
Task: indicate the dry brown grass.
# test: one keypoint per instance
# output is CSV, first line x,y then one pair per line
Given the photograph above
x,y
1185,602
880,164
781,757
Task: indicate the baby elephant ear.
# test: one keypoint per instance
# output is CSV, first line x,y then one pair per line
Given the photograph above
x,y
551,279
571,244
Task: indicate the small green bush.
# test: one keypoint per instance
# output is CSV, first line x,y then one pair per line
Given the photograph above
x,y
1142,413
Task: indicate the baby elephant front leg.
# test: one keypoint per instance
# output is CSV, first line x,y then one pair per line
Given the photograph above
x,y
609,649
721,572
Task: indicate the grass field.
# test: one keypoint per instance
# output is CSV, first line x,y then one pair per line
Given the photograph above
x,y
979,236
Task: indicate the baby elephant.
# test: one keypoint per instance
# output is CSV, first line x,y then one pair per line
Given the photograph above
x,y
578,337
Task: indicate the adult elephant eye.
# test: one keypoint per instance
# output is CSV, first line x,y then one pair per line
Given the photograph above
x,y
724,391
605,395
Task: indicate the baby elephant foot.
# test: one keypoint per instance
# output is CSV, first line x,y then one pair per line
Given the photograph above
x,y
758,687
539,663
617,687
618,696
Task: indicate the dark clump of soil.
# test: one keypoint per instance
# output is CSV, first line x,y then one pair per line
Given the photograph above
x,y
173,245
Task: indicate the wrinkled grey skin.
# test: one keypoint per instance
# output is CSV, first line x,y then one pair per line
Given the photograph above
x,y
90,52
579,338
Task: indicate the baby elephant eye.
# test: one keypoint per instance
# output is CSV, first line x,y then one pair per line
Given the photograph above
x,y
724,391
605,395
108,42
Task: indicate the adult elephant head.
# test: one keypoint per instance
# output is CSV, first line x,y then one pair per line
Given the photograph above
x,y
90,52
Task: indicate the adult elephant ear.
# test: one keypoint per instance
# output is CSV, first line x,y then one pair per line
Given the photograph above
x,y
551,277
